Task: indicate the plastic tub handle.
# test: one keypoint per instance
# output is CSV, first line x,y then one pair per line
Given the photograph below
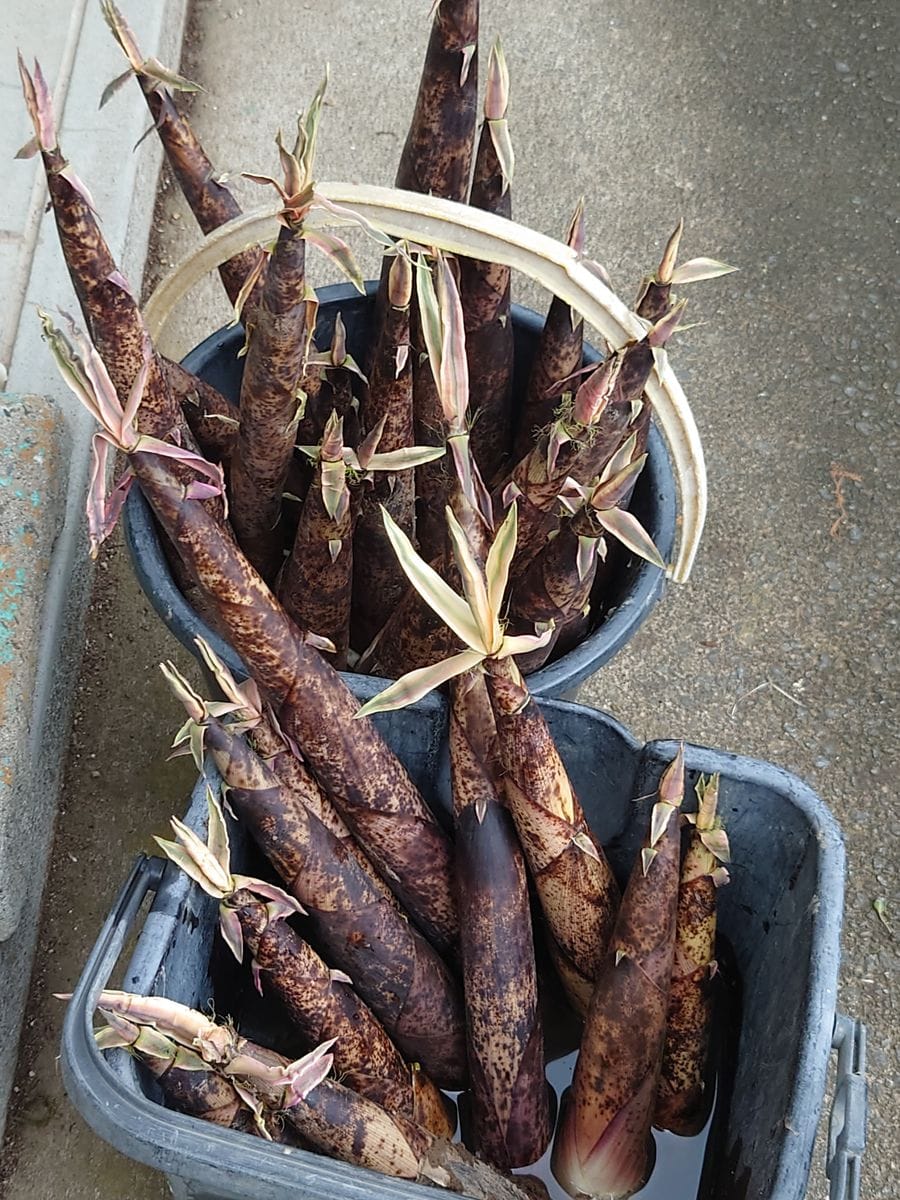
x,y
145,876
847,1122
198,1159
461,229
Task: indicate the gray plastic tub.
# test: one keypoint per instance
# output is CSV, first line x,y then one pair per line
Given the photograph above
x,y
634,588
780,916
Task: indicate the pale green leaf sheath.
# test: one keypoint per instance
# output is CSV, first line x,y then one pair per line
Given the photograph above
x,y
474,617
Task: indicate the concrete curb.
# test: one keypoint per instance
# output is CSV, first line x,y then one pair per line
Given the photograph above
x,y
33,478
53,567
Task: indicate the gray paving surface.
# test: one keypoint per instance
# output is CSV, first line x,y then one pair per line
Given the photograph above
x,y
770,127
34,454
47,580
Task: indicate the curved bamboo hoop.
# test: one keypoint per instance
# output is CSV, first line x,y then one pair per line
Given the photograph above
x,y
458,229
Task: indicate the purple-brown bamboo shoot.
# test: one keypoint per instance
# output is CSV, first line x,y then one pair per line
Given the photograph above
x,y
437,155
324,1006
485,286
360,933
603,1144
580,442
348,757
324,1113
379,584
558,355
272,370
211,202
684,1096
111,311
315,585
505,1041
575,885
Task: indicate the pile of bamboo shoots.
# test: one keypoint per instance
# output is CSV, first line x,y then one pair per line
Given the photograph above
x,y
391,1010
321,442
411,516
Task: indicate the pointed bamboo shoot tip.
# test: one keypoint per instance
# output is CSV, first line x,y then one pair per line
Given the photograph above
x,y
575,235
468,53
183,691
666,326
319,643
339,341
593,395
599,271
122,33
333,438
670,254
39,104
585,844
707,790
671,785
496,95
369,444
400,281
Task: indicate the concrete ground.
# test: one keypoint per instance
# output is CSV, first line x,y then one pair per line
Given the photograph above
x,y
45,433
768,127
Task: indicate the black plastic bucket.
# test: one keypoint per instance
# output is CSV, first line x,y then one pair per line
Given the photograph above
x,y
780,916
634,590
